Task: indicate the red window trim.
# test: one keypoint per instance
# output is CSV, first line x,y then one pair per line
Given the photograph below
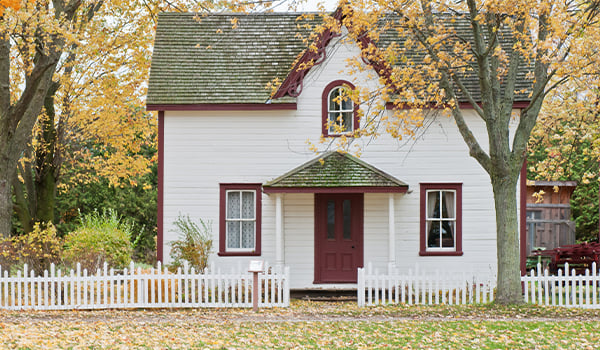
x,y
325,104
423,224
223,188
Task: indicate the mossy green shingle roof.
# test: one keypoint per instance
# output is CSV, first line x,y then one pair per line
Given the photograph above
x,y
335,169
205,60
198,60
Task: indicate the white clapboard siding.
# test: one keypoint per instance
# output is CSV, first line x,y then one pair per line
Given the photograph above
x,y
203,149
420,287
137,288
563,289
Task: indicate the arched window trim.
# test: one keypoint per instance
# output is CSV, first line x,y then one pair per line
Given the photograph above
x,y
325,109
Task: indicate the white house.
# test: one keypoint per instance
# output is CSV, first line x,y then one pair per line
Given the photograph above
x,y
231,153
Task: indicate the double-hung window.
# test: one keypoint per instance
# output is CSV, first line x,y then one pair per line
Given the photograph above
x,y
340,113
240,219
441,219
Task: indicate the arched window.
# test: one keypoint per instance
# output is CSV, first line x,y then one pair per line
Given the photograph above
x,y
339,111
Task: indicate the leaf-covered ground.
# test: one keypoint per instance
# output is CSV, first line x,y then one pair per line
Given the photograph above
x,y
307,325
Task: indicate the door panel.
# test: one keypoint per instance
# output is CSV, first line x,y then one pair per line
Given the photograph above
x,y
338,237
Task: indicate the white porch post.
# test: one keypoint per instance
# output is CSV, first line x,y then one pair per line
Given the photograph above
x,y
279,245
391,231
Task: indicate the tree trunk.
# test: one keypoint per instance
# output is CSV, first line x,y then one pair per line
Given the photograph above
x,y
46,172
507,241
17,120
5,201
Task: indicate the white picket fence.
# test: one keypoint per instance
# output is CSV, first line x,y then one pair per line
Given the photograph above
x,y
420,287
566,289
137,288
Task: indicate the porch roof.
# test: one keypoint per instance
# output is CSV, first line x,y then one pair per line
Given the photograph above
x,y
335,172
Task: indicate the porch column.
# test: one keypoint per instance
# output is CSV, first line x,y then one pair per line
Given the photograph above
x,y
391,231
279,246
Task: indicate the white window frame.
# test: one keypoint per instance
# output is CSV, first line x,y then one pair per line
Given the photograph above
x,y
240,220
335,123
440,220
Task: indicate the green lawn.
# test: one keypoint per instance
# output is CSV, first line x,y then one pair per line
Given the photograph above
x,y
307,325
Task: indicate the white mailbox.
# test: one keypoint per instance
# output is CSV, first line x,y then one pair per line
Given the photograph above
x,y
256,266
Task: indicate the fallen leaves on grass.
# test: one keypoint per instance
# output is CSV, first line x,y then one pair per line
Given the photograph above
x,y
305,325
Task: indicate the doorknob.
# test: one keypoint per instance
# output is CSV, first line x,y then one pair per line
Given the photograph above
x,y
352,247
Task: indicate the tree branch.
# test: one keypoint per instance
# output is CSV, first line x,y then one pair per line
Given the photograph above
x,y
483,72
4,76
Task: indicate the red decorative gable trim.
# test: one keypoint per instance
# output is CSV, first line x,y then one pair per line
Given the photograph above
x,y
292,85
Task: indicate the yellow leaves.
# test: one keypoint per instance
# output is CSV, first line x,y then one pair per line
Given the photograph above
x,y
14,4
539,196
234,23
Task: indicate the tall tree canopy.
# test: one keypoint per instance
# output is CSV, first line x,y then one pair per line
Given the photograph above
x,y
503,41
72,87
33,40
93,117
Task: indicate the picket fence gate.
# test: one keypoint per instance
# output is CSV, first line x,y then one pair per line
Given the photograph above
x,y
137,288
568,289
419,287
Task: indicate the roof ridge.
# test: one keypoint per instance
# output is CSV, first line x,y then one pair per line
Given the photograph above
x,y
298,168
381,176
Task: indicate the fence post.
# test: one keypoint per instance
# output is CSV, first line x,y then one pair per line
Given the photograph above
x,y
256,267
361,287
286,286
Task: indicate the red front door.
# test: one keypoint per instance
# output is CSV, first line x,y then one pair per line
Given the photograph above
x,y
338,237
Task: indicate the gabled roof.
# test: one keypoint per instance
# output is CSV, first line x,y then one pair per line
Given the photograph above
x,y
204,60
335,172
208,60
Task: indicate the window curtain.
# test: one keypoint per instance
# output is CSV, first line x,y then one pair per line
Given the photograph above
x,y
431,203
450,213
449,202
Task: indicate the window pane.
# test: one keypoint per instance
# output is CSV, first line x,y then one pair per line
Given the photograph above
x,y
233,234
333,100
433,234
448,204
233,205
330,220
248,234
248,205
447,234
347,103
433,205
347,209
347,121
332,122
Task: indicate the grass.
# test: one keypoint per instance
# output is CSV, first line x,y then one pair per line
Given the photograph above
x,y
307,325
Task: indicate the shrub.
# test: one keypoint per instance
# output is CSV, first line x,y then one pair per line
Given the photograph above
x,y
194,244
99,239
38,249
8,254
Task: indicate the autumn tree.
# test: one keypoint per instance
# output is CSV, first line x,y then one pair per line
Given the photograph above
x,y
93,118
565,145
34,37
91,112
520,50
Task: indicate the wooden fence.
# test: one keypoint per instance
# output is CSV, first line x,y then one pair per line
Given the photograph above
x,y
137,288
568,289
416,287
